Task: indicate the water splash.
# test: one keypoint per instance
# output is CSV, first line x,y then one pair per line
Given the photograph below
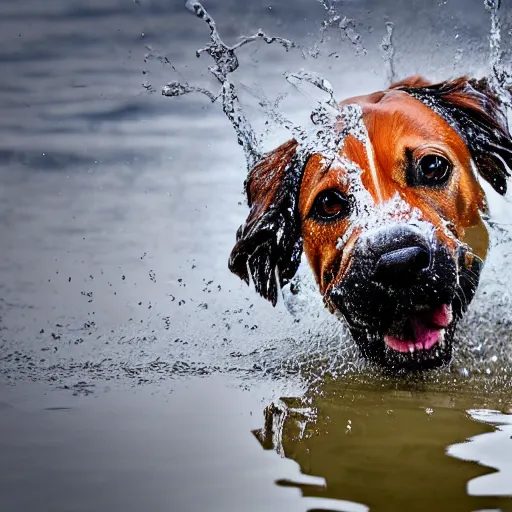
x,y
345,25
316,80
226,62
181,88
388,53
224,56
323,137
330,124
501,78
155,54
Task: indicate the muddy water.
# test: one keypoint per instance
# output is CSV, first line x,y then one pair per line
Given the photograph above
x,y
134,369
351,447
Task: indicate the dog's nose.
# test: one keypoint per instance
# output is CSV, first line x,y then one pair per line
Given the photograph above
x,y
401,254
402,265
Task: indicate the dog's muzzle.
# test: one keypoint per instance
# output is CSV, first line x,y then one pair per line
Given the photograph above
x,y
399,296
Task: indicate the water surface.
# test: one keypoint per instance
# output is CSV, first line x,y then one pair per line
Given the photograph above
x,y
133,367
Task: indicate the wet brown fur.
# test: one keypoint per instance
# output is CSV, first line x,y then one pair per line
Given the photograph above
x,y
396,121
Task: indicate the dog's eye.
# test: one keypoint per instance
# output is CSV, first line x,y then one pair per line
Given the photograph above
x,y
434,170
330,205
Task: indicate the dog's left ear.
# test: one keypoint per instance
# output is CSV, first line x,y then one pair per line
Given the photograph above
x,y
474,110
269,245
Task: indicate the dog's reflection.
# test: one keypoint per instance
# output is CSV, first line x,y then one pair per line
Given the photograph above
x,y
382,447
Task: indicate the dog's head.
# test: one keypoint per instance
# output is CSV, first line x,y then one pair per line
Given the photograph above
x,y
392,227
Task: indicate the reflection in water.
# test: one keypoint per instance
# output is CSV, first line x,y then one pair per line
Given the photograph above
x,y
134,451
493,449
385,445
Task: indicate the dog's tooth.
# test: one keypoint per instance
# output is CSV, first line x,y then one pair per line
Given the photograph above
x,y
440,342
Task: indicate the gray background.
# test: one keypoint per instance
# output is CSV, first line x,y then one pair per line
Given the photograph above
x,y
118,210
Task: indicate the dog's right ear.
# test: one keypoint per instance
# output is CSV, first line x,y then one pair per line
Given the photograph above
x,y
269,245
475,111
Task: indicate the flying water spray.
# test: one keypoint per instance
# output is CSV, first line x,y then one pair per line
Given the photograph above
x,y
330,122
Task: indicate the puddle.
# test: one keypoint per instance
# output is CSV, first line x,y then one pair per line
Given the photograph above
x,y
349,445
134,368
395,447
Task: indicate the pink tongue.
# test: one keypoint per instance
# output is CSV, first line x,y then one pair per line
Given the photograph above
x,y
442,316
427,332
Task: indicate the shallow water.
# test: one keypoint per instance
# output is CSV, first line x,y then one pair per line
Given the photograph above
x,y
350,447
133,367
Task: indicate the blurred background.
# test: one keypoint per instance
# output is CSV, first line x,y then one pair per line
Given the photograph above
x,y
118,211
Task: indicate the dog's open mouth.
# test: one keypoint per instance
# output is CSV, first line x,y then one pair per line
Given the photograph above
x,y
421,331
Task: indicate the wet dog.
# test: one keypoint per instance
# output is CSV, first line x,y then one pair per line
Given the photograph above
x,y
393,225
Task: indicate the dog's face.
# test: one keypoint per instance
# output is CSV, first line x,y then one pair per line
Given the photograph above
x,y
392,226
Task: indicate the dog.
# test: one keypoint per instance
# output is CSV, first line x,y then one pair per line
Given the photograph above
x,y
403,280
